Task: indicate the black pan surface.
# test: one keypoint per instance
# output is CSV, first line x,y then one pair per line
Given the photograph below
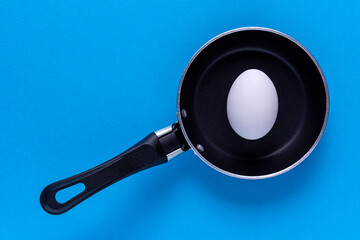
x,y
302,94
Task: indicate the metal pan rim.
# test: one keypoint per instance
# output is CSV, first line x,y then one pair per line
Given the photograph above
x,y
259,176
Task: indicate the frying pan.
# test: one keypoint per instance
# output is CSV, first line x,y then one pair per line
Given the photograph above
x,y
203,126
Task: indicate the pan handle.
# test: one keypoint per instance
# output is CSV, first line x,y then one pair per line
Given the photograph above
x,y
155,149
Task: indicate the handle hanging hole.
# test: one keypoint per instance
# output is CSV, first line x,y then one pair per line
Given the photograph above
x,y
66,194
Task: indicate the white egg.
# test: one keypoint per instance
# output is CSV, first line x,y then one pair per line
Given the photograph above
x,y
252,104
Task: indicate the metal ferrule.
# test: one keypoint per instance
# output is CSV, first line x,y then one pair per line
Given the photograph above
x,y
164,132
173,154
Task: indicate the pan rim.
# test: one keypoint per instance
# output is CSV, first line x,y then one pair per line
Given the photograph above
x,y
197,153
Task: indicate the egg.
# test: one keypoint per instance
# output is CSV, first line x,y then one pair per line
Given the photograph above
x,y
252,104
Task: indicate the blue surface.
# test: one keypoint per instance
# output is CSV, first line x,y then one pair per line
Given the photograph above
x,y
81,81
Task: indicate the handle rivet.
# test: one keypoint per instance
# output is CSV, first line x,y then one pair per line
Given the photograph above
x,y
200,148
183,113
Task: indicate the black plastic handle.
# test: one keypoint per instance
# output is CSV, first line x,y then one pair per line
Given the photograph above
x,y
147,153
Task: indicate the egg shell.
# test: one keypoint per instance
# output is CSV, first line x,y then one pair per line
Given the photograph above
x,y
252,104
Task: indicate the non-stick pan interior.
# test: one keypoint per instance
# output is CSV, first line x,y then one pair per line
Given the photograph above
x,y
302,96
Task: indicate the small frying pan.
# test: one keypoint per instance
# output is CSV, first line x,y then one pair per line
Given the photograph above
x,y
203,124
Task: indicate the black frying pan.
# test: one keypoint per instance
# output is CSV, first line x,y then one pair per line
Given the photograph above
x,y
203,126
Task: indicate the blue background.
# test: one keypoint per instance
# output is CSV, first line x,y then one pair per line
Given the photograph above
x,y
81,81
